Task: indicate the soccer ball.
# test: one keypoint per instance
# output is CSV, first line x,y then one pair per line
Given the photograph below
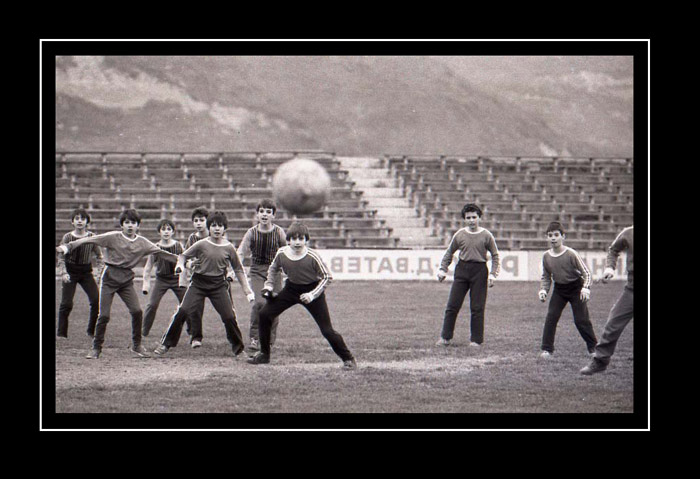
x,y
301,186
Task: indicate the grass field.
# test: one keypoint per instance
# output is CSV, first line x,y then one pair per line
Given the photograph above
x,y
391,327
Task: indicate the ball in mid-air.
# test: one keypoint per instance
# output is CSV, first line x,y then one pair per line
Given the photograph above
x,y
301,186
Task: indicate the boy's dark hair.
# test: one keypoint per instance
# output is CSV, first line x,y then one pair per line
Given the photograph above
x,y
555,226
471,207
267,203
200,211
218,217
131,215
164,222
80,212
297,230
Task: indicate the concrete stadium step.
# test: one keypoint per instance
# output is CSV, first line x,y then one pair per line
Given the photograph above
x,y
374,179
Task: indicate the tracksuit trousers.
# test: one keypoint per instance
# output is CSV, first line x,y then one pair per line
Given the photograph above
x,y
79,275
257,277
288,297
116,280
620,315
160,287
472,277
216,289
562,294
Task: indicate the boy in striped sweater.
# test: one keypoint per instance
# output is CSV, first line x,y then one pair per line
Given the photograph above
x,y
307,278
212,256
572,282
165,275
123,249
76,268
471,274
261,243
623,309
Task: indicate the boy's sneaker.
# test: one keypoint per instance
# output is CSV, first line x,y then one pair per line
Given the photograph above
x,y
349,365
196,344
474,345
595,366
140,351
161,350
254,345
443,342
259,358
546,355
93,354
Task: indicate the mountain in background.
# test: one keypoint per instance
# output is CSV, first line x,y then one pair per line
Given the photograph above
x,y
579,106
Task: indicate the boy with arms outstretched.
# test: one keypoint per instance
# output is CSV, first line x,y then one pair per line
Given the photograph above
x,y
307,278
471,274
623,309
76,268
261,242
165,275
123,250
572,282
212,256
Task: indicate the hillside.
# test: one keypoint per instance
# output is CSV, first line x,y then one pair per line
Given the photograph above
x,y
351,105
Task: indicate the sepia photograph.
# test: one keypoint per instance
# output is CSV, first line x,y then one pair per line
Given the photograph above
x,y
344,235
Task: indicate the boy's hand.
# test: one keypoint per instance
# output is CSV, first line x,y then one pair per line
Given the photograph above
x,y
585,294
62,249
146,286
230,276
251,297
542,295
178,270
441,275
267,294
491,281
65,277
306,298
608,275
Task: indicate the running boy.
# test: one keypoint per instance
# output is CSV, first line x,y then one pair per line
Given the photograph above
x,y
471,274
76,268
124,249
307,278
212,256
261,242
165,275
572,282
623,310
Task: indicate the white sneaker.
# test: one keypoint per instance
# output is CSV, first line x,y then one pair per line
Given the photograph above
x,y
546,355
443,342
474,345
196,344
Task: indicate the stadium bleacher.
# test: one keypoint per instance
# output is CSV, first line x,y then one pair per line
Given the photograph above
x,y
593,197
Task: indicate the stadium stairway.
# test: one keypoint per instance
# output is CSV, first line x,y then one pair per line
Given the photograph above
x,y
371,177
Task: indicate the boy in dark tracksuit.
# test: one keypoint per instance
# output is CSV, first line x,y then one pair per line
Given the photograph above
x,y
307,278
572,282
165,275
471,274
123,250
212,255
76,268
623,310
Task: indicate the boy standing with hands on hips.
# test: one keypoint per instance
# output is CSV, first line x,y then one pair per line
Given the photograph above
x,y
471,274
